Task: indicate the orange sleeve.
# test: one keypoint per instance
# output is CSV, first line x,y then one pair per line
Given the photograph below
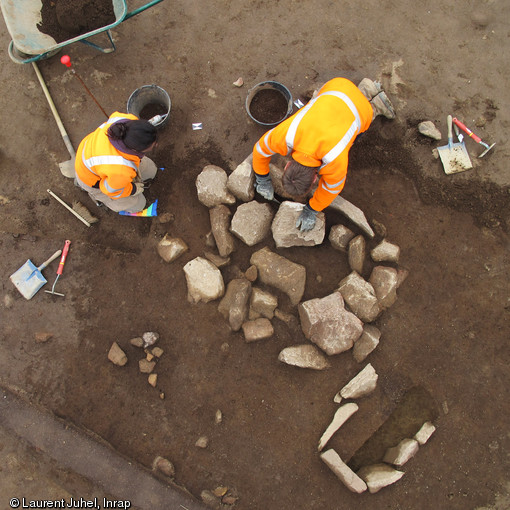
x,y
272,142
331,183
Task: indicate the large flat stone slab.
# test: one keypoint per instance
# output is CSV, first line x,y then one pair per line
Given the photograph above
x,y
251,222
355,214
285,232
211,184
281,273
204,279
304,356
349,478
241,181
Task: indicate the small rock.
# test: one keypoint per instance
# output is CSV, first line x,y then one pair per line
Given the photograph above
x,y
42,336
171,248
149,338
153,380
238,83
423,435
218,417
209,240
385,252
116,355
137,342
400,454
355,214
378,476
225,347
304,356
251,273
202,442
158,352
263,302
384,280
229,499
164,465
428,128
146,367
162,396
149,356
259,329
380,228
220,491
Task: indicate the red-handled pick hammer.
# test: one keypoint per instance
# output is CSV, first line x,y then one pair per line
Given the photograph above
x,y
476,138
60,268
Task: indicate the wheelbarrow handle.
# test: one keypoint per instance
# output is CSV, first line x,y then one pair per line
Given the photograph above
x,y
470,133
142,8
65,251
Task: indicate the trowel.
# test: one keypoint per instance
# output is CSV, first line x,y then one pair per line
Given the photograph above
x,y
454,156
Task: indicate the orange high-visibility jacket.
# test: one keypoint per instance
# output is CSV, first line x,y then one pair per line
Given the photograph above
x,y
320,134
98,161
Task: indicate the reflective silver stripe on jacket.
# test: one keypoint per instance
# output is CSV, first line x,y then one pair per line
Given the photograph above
x,y
353,130
259,148
113,120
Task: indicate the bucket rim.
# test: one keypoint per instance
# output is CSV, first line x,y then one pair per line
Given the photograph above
x,y
269,84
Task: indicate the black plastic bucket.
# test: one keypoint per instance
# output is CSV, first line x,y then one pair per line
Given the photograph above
x,y
150,97
255,94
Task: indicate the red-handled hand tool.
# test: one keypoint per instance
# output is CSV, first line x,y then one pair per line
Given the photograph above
x,y
60,269
476,138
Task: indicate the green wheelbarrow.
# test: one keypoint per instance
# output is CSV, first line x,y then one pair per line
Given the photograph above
x,y
28,44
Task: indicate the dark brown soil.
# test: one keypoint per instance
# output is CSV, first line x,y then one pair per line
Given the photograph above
x,y
269,106
66,19
152,109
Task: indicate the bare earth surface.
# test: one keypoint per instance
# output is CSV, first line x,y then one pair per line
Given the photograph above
x,y
443,354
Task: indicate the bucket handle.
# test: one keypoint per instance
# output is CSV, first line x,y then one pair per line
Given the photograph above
x,y
142,8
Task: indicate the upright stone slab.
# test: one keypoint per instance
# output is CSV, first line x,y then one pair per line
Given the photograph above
x,y
251,222
361,385
378,476
423,435
356,254
360,297
234,305
368,341
304,356
352,212
241,181
220,227
285,232
211,186
204,280
348,477
281,273
340,236
400,454
384,280
328,324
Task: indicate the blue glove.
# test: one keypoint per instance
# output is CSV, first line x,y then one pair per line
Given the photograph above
x,y
264,186
306,219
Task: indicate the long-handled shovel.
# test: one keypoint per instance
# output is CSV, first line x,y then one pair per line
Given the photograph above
x,y
454,156
66,167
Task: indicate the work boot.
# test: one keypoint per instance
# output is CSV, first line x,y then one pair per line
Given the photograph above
x,y
369,88
382,106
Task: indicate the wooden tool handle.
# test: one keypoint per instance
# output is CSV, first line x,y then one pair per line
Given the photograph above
x,y
51,259
63,258
476,138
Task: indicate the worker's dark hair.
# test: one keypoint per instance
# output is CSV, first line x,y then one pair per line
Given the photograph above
x,y
298,179
138,135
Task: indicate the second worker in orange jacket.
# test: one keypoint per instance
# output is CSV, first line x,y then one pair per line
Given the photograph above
x,y
318,138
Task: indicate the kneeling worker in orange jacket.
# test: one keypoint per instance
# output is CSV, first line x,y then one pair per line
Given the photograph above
x,y
111,164
318,138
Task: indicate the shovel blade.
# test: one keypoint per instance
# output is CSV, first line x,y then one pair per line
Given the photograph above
x,y
67,169
455,159
28,279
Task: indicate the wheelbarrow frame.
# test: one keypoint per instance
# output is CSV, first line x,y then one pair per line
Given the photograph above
x,y
121,14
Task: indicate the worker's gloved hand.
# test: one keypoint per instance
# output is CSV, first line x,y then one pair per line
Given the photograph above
x,y
264,186
306,219
139,187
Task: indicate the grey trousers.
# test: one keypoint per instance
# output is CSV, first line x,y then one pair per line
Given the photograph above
x,y
132,204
